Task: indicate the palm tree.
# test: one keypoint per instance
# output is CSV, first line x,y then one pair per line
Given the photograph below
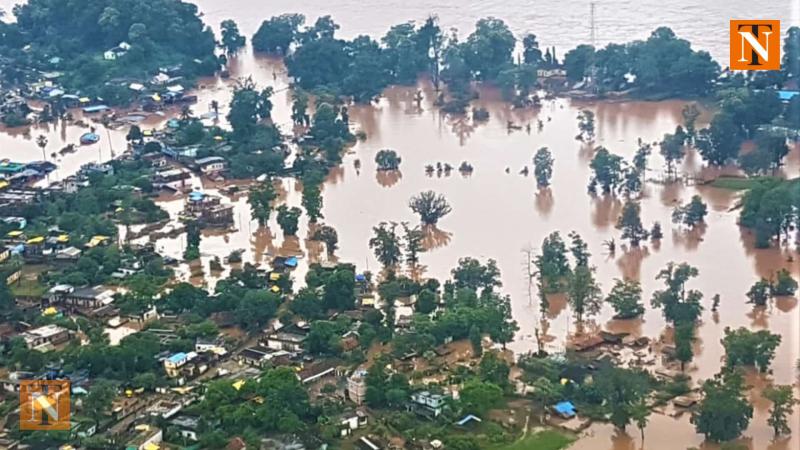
x,y
41,141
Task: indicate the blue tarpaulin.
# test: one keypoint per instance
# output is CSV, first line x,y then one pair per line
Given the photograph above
x,y
565,409
291,262
786,96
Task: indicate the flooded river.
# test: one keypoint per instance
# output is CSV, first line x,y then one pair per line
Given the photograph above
x,y
501,215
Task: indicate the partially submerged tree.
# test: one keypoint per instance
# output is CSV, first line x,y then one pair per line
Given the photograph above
x,y
543,167
626,299
430,207
724,412
783,401
606,171
691,214
750,348
759,293
679,304
585,126
387,159
288,219
328,235
630,222
583,292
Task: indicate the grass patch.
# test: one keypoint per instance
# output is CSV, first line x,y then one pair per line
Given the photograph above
x,y
739,183
543,440
28,288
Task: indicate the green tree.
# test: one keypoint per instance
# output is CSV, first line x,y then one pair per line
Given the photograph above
x,y
543,167
473,275
784,284
579,249
577,62
387,159
583,292
288,219
430,207
328,235
750,348
98,402
759,293
782,398
232,40
413,243
476,340
260,200
552,265
621,390
672,150
606,171
324,338
277,34
585,126
626,299
724,412
679,304
691,214
478,397
488,48
248,106
630,222
684,338
386,244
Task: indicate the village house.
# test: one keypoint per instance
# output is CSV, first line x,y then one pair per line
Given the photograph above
x,y
174,179
210,165
289,338
350,421
208,209
41,337
148,438
174,363
427,404
186,426
120,50
316,371
260,356
88,298
357,387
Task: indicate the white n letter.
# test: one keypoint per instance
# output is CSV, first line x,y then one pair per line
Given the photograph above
x,y
757,47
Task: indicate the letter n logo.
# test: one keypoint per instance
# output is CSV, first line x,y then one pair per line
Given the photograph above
x,y
755,45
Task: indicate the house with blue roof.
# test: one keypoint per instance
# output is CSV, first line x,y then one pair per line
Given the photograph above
x,y
173,364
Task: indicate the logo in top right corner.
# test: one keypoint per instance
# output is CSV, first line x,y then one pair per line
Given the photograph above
x,y
755,45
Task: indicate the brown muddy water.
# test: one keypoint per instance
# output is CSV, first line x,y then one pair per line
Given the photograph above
x,y
502,215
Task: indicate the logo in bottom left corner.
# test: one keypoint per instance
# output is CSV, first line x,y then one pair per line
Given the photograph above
x,y
44,405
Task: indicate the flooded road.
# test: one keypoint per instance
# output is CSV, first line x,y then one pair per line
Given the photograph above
x,y
502,215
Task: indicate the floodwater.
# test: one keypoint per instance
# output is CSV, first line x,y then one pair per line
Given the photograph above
x,y
502,215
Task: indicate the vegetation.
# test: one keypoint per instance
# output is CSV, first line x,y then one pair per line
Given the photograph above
x,y
690,214
543,167
626,299
750,348
724,413
430,207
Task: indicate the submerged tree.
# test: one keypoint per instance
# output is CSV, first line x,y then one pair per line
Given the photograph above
x,y
724,413
784,284
552,265
691,214
232,40
750,348
630,222
260,200
583,292
288,219
430,207
782,398
759,293
679,304
690,113
672,150
606,171
626,299
543,167
684,338
585,126
387,159
328,235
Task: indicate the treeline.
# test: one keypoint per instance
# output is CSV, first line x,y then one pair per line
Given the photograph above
x,y
72,36
362,67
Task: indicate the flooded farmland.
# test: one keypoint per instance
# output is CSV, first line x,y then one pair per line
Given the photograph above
x,y
497,211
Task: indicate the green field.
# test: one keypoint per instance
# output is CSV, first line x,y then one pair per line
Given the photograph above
x,y
544,440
